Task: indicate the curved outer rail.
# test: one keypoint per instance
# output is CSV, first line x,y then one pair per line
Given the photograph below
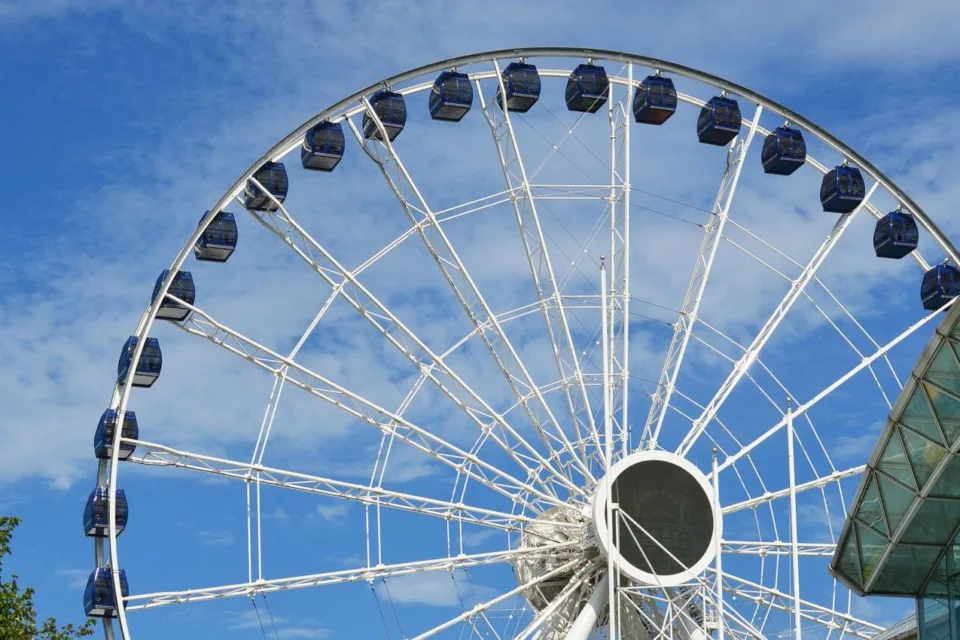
x,y
121,392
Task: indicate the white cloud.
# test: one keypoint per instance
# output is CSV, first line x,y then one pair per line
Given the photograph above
x,y
279,513
248,619
76,578
436,589
284,628
332,512
856,448
212,538
477,537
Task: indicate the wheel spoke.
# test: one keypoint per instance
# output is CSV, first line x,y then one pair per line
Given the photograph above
x,y
157,455
366,574
509,594
453,269
346,285
816,613
866,362
687,318
753,351
201,324
538,257
745,547
559,614
770,496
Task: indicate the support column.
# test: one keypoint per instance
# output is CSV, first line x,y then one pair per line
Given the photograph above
x,y
794,551
586,622
718,551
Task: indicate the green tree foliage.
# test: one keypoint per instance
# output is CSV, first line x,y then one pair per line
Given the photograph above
x,y
18,619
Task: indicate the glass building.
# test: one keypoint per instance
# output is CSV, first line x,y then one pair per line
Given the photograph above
x,y
901,536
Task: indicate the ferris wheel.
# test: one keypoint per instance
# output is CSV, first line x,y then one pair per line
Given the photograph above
x,y
570,369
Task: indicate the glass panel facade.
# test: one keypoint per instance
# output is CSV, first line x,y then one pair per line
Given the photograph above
x,y
871,511
943,370
935,521
947,409
924,455
938,602
894,463
907,568
948,486
934,616
918,416
871,546
850,559
896,501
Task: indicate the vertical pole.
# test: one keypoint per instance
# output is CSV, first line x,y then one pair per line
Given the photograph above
x,y
794,551
625,302
717,549
608,452
587,619
259,540
249,537
614,254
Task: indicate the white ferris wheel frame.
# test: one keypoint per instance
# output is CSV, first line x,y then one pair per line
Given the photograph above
x,y
202,324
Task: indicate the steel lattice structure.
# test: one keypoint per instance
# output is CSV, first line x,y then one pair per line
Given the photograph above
x,y
544,455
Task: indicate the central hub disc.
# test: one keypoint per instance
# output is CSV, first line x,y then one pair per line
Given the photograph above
x,y
667,526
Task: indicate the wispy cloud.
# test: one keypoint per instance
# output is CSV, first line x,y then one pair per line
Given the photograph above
x,y
332,512
75,578
436,589
213,538
283,627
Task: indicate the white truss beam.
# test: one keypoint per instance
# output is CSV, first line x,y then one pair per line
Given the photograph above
x,y
819,614
618,116
553,622
779,548
490,603
866,362
366,574
404,339
712,233
454,271
158,455
199,323
538,258
770,326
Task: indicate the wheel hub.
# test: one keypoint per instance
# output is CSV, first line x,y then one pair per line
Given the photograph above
x,y
666,521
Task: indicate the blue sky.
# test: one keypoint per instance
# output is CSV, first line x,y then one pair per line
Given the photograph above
x,y
127,119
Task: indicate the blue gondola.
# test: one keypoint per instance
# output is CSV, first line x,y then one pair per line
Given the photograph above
x,y
655,100
99,598
148,368
784,151
587,88
96,515
323,146
273,177
522,85
842,189
719,121
940,284
895,235
107,427
392,111
182,287
218,240
451,96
